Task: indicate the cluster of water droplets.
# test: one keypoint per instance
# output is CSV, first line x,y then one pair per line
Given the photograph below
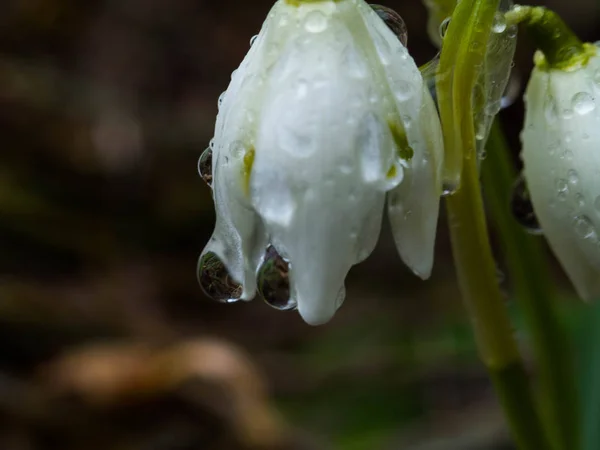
x,y
494,90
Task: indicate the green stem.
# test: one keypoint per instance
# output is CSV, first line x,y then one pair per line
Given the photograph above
x,y
533,288
453,159
562,49
475,265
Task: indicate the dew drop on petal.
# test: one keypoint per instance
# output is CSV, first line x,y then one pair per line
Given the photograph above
x,y
562,185
584,227
274,282
522,208
583,103
316,22
215,280
205,166
499,25
573,176
253,40
394,22
444,27
580,199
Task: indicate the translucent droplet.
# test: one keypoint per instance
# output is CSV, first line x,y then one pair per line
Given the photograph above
x,y
522,208
583,103
584,227
394,22
444,27
215,280
253,40
274,282
221,98
567,155
573,177
316,22
205,166
449,189
562,185
580,199
499,25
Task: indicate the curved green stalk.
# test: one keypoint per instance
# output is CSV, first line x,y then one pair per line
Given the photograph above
x,y
534,291
453,160
470,243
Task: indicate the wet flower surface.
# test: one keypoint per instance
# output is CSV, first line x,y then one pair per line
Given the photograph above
x,y
562,165
326,115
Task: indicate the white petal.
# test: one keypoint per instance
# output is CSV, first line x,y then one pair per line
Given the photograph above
x,y
413,206
308,180
562,168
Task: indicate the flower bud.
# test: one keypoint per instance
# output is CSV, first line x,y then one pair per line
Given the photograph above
x,y
326,115
561,143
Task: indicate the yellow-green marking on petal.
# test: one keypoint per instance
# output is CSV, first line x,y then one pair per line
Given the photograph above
x,y
404,149
248,163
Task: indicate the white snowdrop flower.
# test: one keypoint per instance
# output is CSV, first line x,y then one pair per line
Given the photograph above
x,y
561,154
326,115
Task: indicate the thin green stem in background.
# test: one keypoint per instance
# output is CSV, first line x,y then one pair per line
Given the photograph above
x,y
475,265
533,289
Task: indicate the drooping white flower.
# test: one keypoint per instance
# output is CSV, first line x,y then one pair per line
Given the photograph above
x,y
561,154
325,116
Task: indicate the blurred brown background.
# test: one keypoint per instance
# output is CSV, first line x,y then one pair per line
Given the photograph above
x,y
106,340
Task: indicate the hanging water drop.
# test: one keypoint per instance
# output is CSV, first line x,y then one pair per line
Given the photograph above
x,y
444,27
499,25
394,22
522,208
274,282
583,103
215,280
205,166
316,22
253,40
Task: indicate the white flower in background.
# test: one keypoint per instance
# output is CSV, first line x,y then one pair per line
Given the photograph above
x,y
561,153
326,115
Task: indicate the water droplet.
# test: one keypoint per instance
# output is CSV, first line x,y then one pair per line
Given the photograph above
x,y
274,281
316,22
583,103
522,208
567,155
237,149
394,22
499,25
215,280
562,185
403,90
573,177
597,203
444,27
580,199
253,40
584,227
448,189
221,99
205,166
